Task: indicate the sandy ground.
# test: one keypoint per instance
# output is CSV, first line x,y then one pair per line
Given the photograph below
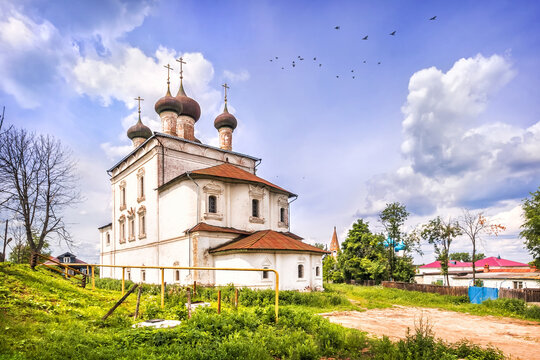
x,y
518,339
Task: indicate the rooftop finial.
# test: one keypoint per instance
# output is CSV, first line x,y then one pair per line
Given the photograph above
x,y
181,61
139,99
225,87
169,68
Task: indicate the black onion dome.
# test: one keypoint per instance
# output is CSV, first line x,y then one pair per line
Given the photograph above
x,y
169,103
225,119
139,130
189,106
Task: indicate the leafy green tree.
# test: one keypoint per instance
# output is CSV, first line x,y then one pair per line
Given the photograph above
x,y
404,269
21,252
392,218
331,271
320,246
464,256
363,255
531,226
441,234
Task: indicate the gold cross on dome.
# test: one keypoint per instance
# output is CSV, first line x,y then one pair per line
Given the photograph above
x,y
169,68
139,99
181,61
225,87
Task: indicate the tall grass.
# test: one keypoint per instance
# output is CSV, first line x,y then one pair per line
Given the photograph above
x,y
43,316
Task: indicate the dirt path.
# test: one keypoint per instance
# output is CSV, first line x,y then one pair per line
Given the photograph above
x,y
517,338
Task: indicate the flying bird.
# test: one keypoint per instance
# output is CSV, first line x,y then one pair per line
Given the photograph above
x,y
314,59
282,68
353,77
393,32
337,28
337,76
352,70
433,18
364,61
271,60
276,57
379,63
320,65
365,37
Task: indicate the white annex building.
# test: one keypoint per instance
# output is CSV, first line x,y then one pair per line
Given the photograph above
x,y
178,202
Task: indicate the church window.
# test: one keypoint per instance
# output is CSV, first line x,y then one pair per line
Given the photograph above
x,y
177,275
140,185
143,275
300,271
108,239
131,228
255,208
317,271
212,204
282,215
142,222
67,259
266,274
122,195
129,274
122,229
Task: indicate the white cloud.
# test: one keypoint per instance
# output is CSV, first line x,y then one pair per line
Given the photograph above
x,y
32,57
242,75
450,159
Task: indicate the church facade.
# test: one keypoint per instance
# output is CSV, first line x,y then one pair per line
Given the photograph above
x,y
178,202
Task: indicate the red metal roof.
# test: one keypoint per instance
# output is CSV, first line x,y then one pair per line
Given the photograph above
x,y
268,240
211,228
232,172
494,261
452,263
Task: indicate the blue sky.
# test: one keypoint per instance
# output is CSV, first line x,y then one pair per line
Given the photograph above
x,y
449,118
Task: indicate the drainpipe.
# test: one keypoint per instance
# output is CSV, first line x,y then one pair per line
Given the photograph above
x,y
198,214
289,211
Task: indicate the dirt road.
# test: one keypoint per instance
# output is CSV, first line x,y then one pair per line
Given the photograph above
x,y
517,338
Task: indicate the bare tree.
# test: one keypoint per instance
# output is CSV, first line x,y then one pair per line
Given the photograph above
x,y
474,225
37,182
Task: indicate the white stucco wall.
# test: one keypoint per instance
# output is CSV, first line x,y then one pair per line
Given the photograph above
x,y
285,263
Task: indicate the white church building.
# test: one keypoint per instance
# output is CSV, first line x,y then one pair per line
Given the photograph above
x,y
178,202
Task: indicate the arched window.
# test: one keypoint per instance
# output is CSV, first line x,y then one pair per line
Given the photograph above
x,y
282,215
177,275
317,271
212,204
143,275
266,274
255,208
108,239
300,271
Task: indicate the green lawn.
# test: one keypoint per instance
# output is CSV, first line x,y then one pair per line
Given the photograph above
x,y
370,297
43,316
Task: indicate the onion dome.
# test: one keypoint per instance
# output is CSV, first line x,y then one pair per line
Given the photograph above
x,y
189,106
225,119
168,103
139,130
